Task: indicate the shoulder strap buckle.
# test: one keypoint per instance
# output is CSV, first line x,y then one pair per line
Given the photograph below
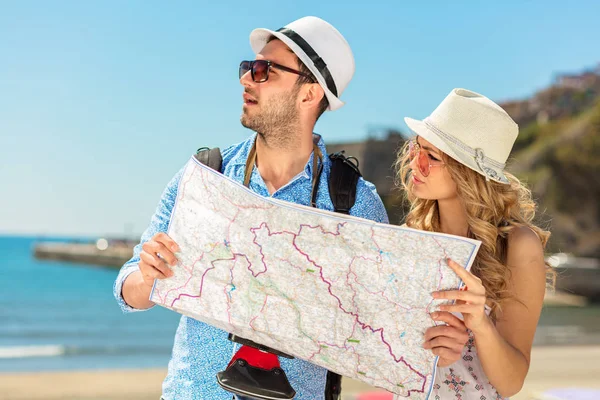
x,y
210,157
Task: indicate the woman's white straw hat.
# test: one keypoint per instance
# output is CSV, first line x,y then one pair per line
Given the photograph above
x,y
471,129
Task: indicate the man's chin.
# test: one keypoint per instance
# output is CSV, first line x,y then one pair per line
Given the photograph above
x,y
246,122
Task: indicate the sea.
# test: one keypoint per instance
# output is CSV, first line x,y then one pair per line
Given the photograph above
x,y
63,316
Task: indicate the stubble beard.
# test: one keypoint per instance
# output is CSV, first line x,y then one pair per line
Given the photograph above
x,y
277,121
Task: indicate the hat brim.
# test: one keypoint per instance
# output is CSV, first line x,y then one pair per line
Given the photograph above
x,y
258,40
421,129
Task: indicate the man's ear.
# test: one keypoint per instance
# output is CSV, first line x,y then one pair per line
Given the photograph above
x,y
311,95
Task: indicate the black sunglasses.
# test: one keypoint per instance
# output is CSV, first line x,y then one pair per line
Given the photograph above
x,y
259,70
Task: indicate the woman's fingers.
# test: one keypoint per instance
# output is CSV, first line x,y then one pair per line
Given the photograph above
x,y
447,354
464,295
444,341
470,279
463,308
448,318
458,334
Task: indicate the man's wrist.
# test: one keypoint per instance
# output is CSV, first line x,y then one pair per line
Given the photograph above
x,y
143,288
138,292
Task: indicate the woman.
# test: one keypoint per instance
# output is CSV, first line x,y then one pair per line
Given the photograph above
x,y
453,175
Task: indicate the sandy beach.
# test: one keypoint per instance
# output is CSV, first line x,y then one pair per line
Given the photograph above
x,y
551,367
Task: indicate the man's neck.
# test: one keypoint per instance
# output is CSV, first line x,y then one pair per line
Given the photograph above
x,y
279,164
453,218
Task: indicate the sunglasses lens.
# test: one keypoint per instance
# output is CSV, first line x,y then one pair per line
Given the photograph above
x,y
260,71
423,163
411,150
244,68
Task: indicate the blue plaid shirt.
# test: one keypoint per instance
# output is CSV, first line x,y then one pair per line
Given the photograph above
x,y
200,350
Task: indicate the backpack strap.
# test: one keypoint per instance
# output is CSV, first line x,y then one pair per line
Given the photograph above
x,y
343,179
210,157
333,386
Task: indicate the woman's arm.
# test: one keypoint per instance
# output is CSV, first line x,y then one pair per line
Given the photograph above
x,y
505,349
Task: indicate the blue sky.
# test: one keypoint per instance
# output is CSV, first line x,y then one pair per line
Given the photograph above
x,y
102,102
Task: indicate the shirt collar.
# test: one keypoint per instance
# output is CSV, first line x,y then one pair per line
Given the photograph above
x,y
247,146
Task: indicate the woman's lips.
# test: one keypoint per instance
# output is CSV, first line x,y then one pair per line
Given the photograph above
x,y
416,180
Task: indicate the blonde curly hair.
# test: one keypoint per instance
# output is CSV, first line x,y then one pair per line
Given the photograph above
x,y
493,210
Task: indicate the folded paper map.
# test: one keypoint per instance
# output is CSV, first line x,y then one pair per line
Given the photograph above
x,y
345,293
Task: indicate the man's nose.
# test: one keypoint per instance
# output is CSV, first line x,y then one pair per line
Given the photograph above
x,y
246,80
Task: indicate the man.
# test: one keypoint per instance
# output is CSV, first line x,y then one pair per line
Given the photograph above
x,y
299,72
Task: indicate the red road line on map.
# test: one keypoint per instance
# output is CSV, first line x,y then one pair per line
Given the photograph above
x,y
191,272
260,312
355,293
295,235
319,343
338,226
262,258
363,325
201,286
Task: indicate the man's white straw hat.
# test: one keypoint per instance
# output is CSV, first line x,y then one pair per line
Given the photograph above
x,y
321,47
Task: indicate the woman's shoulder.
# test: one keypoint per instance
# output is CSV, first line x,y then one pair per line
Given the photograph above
x,y
523,232
524,246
